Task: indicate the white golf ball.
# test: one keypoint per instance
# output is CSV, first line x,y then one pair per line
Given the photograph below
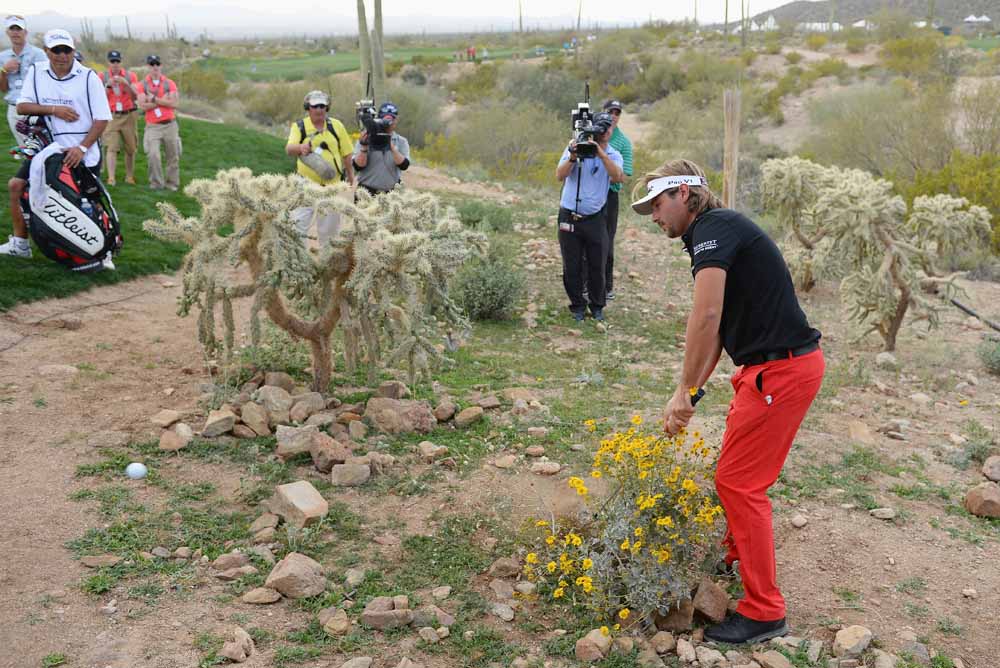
x,y
136,471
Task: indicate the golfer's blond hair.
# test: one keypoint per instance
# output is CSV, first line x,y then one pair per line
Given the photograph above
x,y
701,199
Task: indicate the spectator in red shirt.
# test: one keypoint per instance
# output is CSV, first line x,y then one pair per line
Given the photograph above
x,y
122,88
158,98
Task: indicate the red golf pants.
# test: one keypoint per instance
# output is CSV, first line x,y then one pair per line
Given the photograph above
x,y
770,401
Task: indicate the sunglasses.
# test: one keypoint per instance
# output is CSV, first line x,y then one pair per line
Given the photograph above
x,y
114,62
155,64
317,106
61,50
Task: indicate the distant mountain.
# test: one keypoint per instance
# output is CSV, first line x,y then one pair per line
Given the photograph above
x,y
946,12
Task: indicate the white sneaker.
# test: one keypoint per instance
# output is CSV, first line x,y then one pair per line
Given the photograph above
x,y
107,263
15,249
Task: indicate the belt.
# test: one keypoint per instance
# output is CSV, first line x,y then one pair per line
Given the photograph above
x,y
164,122
123,113
576,218
761,358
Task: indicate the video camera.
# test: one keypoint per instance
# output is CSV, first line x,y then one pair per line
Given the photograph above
x,y
584,130
366,112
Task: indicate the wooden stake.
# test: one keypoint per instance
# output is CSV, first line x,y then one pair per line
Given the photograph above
x,y
731,157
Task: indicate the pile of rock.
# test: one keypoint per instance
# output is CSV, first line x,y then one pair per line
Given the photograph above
x,y
295,576
984,499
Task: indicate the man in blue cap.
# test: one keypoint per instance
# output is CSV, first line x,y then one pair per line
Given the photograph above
x,y
381,160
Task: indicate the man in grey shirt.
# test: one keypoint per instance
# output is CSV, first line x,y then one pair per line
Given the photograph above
x,y
380,168
14,64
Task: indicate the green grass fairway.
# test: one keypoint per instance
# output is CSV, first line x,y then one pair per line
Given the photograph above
x,y
319,66
208,147
984,44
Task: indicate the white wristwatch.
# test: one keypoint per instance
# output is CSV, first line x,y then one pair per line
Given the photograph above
x,y
83,147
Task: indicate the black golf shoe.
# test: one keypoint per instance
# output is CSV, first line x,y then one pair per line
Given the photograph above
x,y
739,630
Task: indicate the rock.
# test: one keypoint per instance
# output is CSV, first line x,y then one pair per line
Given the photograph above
x,y
772,659
884,659
441,593
593,647
392,389
983,500
267,520
254,416
170,441
663,642
546,468
711,600
430,452
354,577
431,615
442,632
502,589
218,423
813,651
280,379
525,588
685,651
622,645
265,535
401,602
327,452
503,611
710,658
969,592
239,648
679,618
100,560
918,651
396,416
886,360
230,560
505,462
297,576
382,620
505,567
161,552
264,553
274,399
243,432
235,573
488,403
851,642
294,440
445,410
359,662
860,432
921,399
407,663
469,416
334,621
428,635
513,394
165,418
346,417
322,419
882,513
648,658
991,468
182,552
799,520
305,406
535,451
537,432
357,430
57,370
261,596
299,504
110,608
350,475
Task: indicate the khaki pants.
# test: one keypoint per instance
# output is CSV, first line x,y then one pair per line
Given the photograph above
x,y
122,129
169,134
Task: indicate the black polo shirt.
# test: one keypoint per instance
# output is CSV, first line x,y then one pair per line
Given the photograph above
x,y
760,313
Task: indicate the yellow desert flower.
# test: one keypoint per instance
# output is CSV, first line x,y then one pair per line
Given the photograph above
x,y
587,563
532,558
637,420
624,613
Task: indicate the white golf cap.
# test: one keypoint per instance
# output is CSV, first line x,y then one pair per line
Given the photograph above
x,y
58,37
15,20
317,97
644,206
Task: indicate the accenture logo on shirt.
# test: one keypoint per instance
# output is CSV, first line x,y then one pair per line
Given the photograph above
x,y
706,246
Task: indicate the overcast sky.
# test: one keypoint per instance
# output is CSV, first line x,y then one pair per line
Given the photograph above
x,y
593,10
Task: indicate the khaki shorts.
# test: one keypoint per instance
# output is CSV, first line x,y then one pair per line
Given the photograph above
x,y
122,128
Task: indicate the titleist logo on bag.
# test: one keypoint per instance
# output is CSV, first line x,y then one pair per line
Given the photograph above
x,y
72,224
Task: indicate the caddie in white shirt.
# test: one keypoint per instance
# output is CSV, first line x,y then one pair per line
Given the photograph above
x,y
72,102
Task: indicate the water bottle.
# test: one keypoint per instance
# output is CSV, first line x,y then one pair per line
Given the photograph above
x,y
87,207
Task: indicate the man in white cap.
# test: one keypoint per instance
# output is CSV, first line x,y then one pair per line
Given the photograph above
x,y
71,101
14,62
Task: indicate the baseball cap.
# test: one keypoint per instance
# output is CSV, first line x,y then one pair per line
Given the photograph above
x,y
388,109
644,206
604,121
15,20
612,104
114,55
152,59
317,97
59,37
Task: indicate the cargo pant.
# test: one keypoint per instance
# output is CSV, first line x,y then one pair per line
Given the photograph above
x,y
169,134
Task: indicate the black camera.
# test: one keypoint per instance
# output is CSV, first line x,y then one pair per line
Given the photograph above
x,y
377,128
584,130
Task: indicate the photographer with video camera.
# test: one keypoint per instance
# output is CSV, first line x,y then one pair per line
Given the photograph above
x,y
381,154
587,168
321,145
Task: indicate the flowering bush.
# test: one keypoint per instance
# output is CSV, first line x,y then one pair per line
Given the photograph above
x,y
651,537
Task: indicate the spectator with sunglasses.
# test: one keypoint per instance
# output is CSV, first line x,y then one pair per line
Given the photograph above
x,y
158,97
70,99
122,89
381,169
14,63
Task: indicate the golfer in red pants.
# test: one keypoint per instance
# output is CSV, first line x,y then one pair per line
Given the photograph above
x,y
745,303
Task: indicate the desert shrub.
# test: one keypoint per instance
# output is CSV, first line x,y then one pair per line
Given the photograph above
x,y
478,84
605,64
882,129
440,149
748,57
556,90
831,67
413,76
485,216
707,74
856,44
989,354
673,43
816,41
772,44
276,103
489,289
918,56
893,24
203,83
660,79
981,129
393,67
419,111
647,543
793,57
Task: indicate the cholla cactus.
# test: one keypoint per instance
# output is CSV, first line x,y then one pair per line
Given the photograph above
x,y
389,266
856,223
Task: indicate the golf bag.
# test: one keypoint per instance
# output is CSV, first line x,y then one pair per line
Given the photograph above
x,y
76,224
